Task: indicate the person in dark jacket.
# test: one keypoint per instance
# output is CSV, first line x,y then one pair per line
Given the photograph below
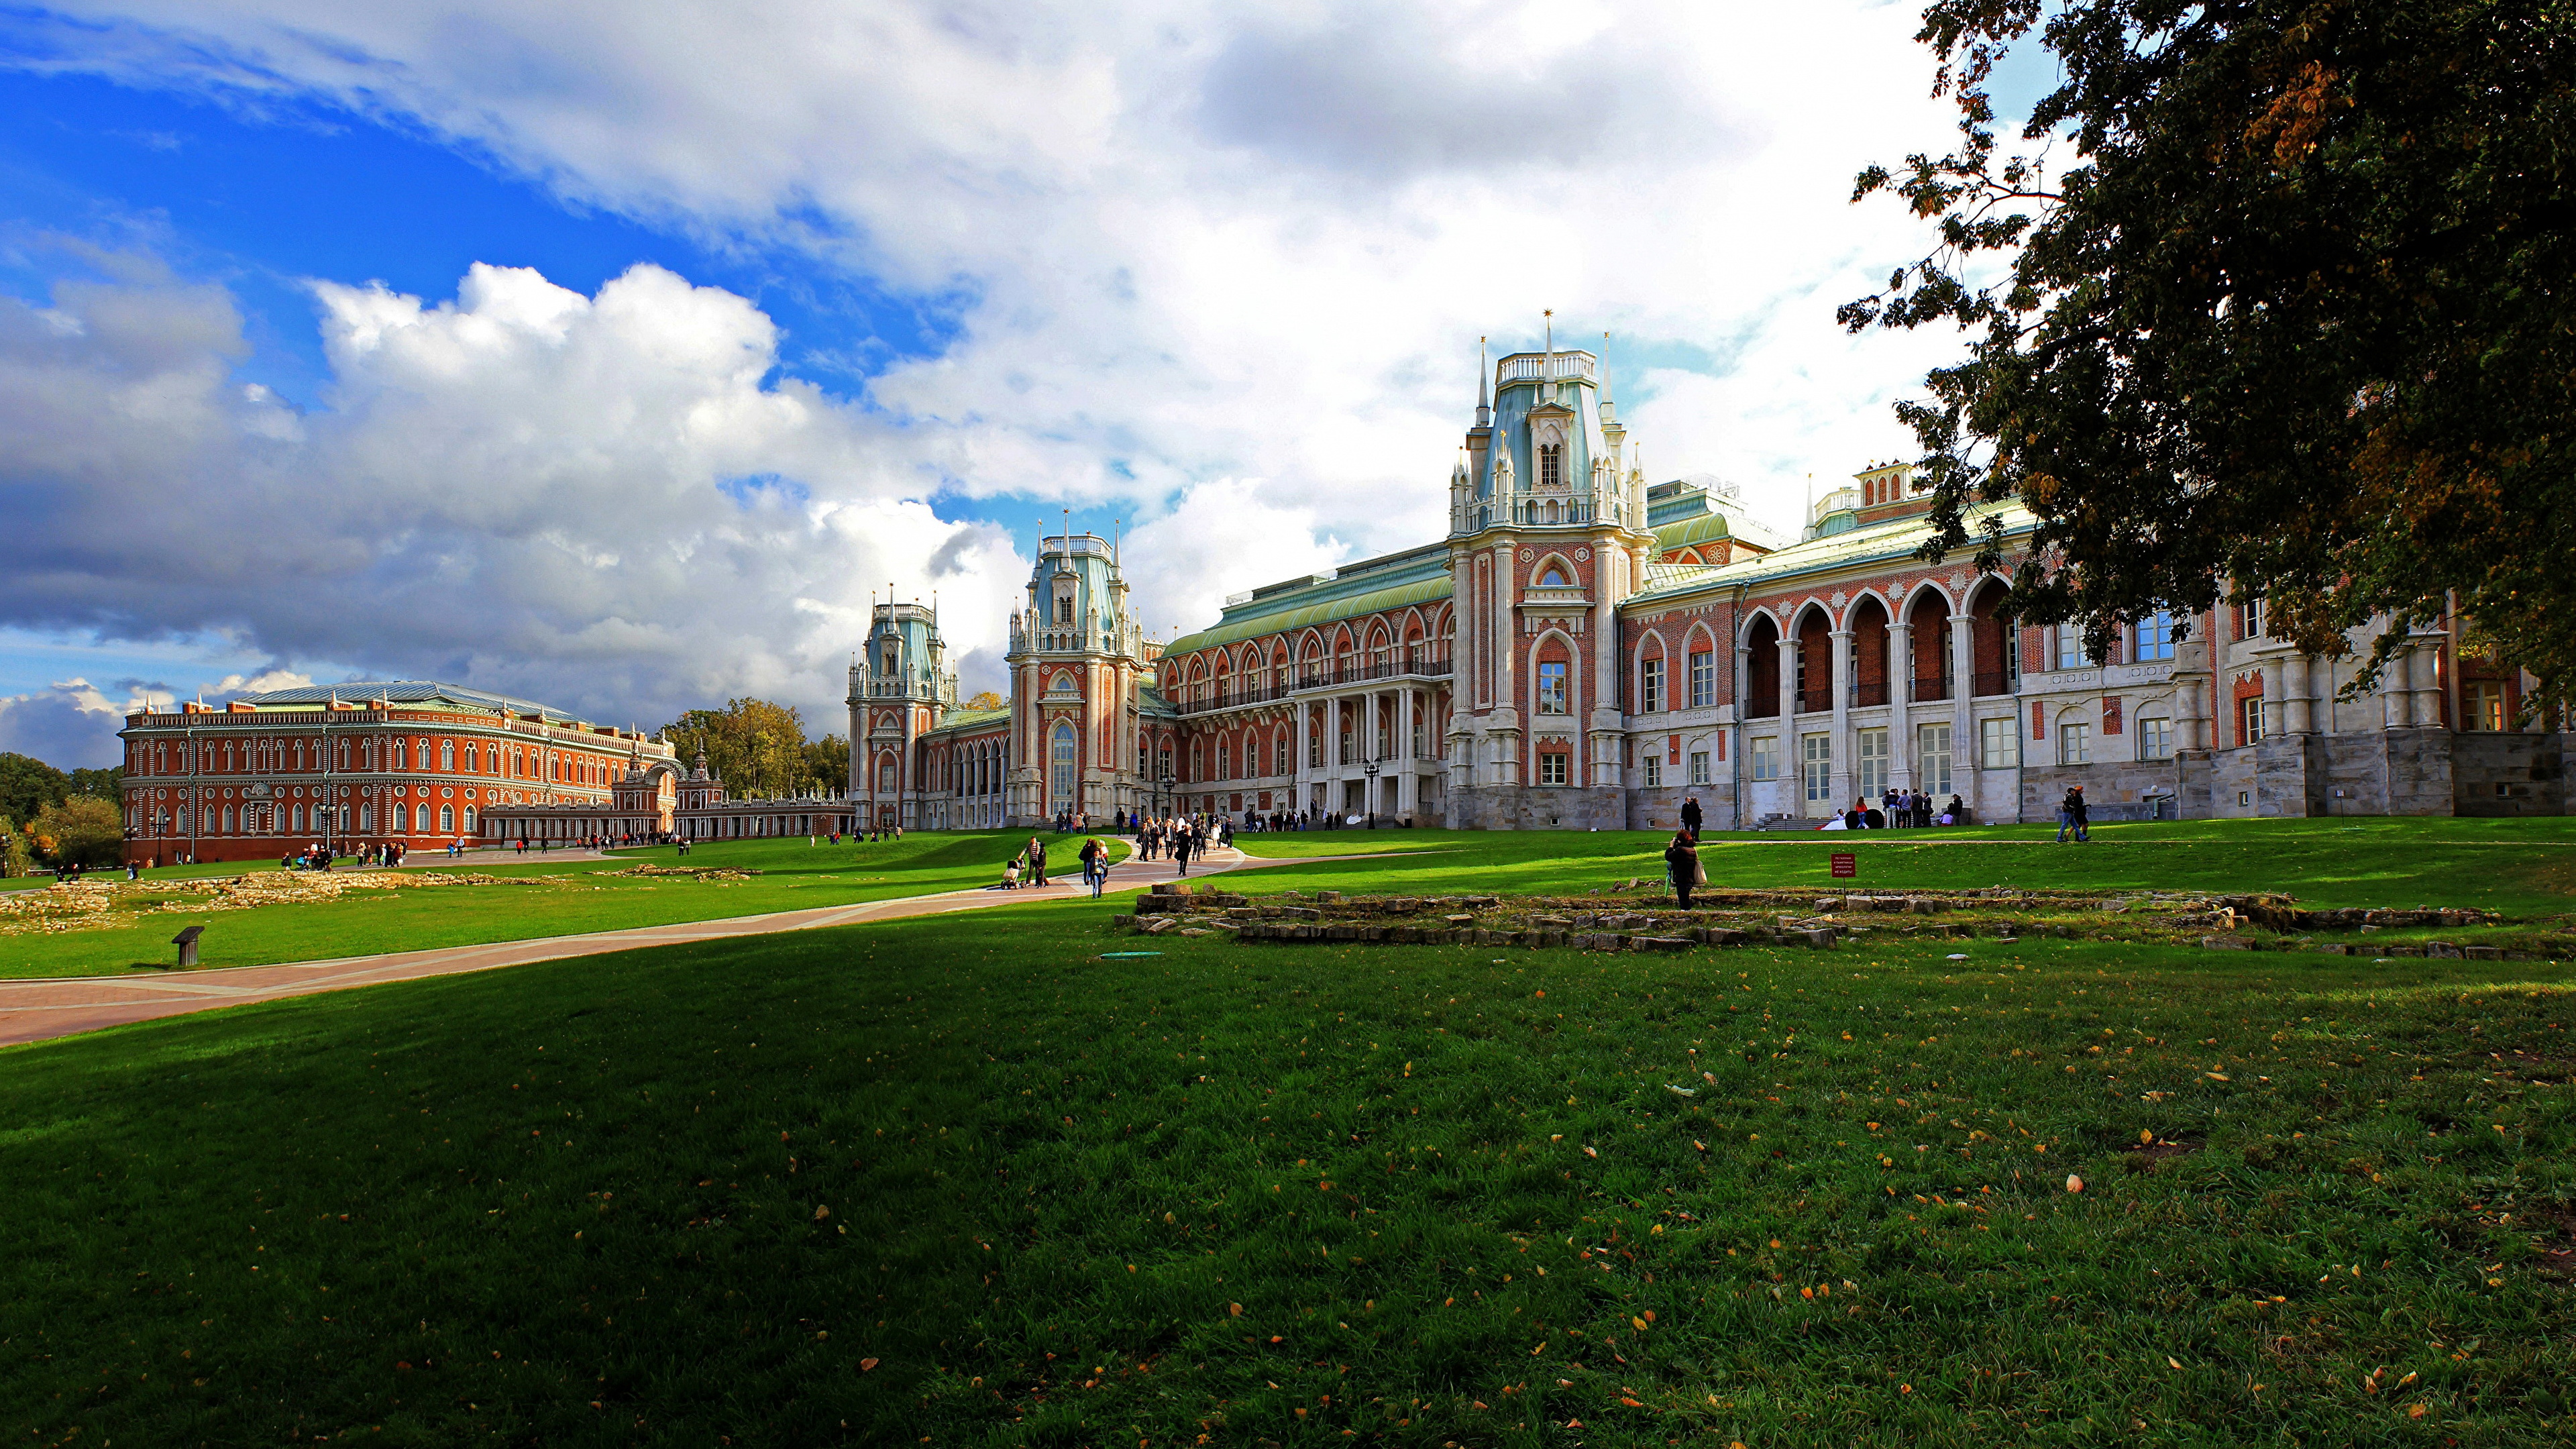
x,y
1681,866
1691,816
2071,816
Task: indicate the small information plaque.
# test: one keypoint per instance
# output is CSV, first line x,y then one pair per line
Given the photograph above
x,y
1846,866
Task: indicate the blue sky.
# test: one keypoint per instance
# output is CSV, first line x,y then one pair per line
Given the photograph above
x,y
619,360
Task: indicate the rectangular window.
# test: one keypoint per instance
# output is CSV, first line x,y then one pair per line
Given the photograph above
x,y
1766,758
2253,712
2254,618
1870,748
1421,735
1699,767
2155,637
2485,700
2070,648
1703,678
1163,765
1551,687
1551,769
1654,767
1816,757
2155,738
1932,758
1998,743
1650,686
2074,744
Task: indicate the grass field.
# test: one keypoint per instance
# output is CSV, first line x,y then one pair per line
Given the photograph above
x,y
571,897
966,1179
2524,867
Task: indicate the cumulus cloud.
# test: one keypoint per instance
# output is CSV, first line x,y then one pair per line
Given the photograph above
x,y
70,726
1220,266
596,501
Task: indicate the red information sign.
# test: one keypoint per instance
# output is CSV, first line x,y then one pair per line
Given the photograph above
x,y
1846,867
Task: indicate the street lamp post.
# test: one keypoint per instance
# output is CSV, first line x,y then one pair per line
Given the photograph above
x,y
1369,770
1168,782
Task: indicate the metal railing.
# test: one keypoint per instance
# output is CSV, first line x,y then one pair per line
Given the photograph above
x,y
1359,673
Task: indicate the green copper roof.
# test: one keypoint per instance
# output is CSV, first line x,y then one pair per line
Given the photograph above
x,y
1707,527
1876,543
968,719
1417,576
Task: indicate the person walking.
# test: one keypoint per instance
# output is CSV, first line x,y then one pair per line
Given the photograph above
x,y
1180,852
1681,866
2071,817
1095,866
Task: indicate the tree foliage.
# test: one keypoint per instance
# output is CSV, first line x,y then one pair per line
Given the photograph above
x,y
2296,321
986,700
28,785
759,749
79,830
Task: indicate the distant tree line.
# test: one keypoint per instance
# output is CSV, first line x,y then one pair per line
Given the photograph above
x,y
759,749
57,817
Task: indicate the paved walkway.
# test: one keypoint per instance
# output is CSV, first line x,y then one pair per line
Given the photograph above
x,y
43,1008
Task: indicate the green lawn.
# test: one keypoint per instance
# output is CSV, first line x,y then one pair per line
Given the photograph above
x,y
964,1178
2523,867
575,896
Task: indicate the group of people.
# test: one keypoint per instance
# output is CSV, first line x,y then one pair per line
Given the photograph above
x,y
1029,867
1902,810
1180,837
316,856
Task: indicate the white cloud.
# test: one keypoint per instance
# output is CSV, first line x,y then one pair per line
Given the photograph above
x,y
595,501
1222,266
69,726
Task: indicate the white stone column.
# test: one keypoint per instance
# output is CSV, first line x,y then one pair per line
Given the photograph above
x,y
2298,711
1506,638
1789,696
2425,666
2273,695
1964,746
1843,771
1900,704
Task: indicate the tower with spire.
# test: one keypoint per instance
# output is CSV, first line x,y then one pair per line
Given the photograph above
x,y
1078,662
1548,532
900,689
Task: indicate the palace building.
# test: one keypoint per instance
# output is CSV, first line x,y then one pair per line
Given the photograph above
x,y
1586,650
405,762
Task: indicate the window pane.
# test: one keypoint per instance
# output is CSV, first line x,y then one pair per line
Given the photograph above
x,y
2074,744
1998,743
1766,758
1817,759
1551,688
1654,775
2155,637
1703,679
1932,755
1650,688
1699,766
1870,746
2155,739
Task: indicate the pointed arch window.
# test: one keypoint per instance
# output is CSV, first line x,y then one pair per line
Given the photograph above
x,y
1551,465
1553,577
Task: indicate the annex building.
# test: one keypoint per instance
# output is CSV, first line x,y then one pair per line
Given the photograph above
x,y
1585,650
419,764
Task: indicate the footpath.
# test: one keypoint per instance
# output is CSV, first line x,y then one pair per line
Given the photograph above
x,y
42,1008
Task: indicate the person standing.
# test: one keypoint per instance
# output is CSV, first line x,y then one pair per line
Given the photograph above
x,y
1095,866
1691,817
1681,866
1037,861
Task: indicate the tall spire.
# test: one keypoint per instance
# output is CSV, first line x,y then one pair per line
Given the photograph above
x,y
1484,385
1609,409
1547,364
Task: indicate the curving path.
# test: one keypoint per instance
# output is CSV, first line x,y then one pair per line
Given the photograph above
x,y
42,1008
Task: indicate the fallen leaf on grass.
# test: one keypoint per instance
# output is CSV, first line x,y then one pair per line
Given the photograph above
x,y
866,1364
2074,1183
